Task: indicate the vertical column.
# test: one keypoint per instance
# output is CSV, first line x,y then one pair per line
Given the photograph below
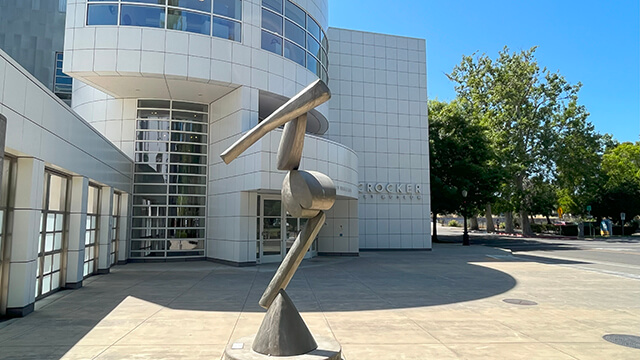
x,y
104,230
123,229
24,242
3,300
77,230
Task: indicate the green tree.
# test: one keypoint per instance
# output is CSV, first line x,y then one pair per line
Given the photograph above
x,y
528,110
461,159
621,189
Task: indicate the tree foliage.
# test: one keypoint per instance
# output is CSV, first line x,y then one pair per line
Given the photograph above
x,y
537,128
461,159
620,188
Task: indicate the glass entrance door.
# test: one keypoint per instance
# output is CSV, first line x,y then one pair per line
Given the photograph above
x,y
271,230
275,236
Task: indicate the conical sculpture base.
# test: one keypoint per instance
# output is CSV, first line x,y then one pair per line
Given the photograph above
x,y
283,332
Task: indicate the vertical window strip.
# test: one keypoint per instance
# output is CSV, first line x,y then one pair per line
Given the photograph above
x,y
274,41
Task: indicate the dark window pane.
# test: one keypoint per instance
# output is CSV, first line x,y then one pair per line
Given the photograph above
x,y
149,178
202,5
185,137
188,159
228,8
187,200
60,80
185,126
102,15
188,148
188,190
313,64
186,211
275,5
313,46
181,105
186,179
153,114
271,21
190,170
142,16
293,12
313,27
271,43
294,52
226,29
157,2
188,21
163,104
179,115
294,33
149,200
148,222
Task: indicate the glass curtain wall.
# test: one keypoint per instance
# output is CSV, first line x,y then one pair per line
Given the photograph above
x,y
219,18
170,180
91,234
115,227
52,238
289,31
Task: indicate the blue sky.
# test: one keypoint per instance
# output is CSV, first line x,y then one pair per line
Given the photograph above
x,y
593,42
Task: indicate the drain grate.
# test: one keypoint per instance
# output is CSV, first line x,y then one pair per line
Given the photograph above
x,y
520,302
624,340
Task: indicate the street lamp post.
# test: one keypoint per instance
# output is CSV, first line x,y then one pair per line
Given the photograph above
x,y
465,235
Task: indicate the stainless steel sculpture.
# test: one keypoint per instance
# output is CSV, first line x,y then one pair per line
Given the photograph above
x,y
305,194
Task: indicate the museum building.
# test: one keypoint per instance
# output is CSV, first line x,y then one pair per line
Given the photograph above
x,y
131,172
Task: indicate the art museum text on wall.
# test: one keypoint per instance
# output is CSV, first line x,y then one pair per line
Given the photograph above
x,y
390,191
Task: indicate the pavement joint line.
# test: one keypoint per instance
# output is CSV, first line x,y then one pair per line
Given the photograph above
x,y
324,315
244,304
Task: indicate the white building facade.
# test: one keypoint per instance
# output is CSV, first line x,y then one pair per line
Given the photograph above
x,y
173,83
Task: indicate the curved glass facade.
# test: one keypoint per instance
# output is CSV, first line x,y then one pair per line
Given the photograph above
x,y
289,31
220,18
170,180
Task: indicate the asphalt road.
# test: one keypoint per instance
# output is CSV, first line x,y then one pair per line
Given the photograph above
x,y
618,256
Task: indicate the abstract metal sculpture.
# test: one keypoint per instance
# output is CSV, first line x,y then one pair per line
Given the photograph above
x,y
305,194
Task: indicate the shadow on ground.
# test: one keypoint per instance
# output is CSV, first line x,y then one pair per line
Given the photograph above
x,y
511,243
375,280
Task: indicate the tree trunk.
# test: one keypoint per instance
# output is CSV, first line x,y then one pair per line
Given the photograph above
x,y
548,220
490,227
434,233
508,222
473,223
526,225
524,214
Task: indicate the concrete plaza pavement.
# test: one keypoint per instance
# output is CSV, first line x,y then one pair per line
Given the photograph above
x,y
440,304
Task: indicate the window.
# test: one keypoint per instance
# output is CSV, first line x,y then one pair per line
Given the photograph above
x,y
147,16
115,227
188,21
52,231
220,18
102,14
296,36
170,179
62,83
91,234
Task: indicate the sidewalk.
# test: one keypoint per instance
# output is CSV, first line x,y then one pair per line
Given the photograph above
x,y
443,304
